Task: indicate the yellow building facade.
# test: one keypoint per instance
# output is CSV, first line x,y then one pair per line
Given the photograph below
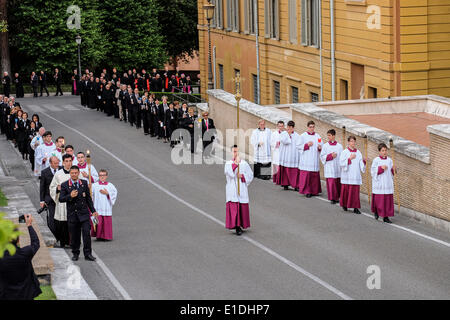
x,y
381,48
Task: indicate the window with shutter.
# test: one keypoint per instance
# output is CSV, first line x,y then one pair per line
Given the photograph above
x,y
221,76
229,14
293,21
294,91
276,92
255,88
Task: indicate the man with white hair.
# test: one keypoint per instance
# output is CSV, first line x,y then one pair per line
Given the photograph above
x,y
34,144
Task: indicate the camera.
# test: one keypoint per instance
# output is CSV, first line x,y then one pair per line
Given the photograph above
x,y
22,219
42,210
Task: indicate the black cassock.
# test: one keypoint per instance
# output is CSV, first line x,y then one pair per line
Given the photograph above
x,y
98,93
145,106
171,123
19,87
153,119
84,92
92,95
107,98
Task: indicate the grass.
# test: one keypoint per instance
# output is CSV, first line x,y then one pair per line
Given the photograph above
x,y
3,199
47,294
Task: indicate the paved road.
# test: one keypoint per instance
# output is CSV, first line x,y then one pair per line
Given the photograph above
x,y
170,242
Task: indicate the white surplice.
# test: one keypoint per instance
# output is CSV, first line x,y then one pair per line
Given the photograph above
x,y
104,203
331,168
289,155
42,152
85,168
382,183
37,165
351,173
276,145
309,158
261,153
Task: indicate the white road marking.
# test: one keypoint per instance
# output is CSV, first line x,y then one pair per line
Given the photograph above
x,y
35,108
400,227
254,242
70,107
51,107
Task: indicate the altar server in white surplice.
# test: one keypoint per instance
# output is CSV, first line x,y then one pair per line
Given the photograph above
x,y
331,151
237,207
352,165
104,195
382,172
84,168
276,144
289,158
44,151
261,141
34,144
310,146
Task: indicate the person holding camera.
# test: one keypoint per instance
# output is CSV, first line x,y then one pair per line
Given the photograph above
x,y
17,278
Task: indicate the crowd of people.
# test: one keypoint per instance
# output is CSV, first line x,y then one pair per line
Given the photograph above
x,y
131,99
293,160
77,197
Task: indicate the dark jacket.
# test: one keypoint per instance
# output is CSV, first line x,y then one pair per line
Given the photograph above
x,y
46,180
17,278
78,207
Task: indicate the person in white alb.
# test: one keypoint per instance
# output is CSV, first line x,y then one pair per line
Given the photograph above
x,y
104,195
58,152
237,207
276,144
84,168
331,151
289,158
309,146
382,172
261,141
34,144
44,151
352,164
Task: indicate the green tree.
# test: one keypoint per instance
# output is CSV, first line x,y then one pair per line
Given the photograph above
x,y
178,21
133,33
42,36
7,233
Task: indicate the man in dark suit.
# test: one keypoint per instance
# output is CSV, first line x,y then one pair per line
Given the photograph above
x,y
34,83
75,192
17,278
58,81
207,125
43,82
6,84
132,105
44,191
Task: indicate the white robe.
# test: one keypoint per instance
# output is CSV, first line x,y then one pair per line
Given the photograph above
x,y
331,169
382,183
231,177
60,210
94,173
102,203
289,155
57,154
261,153
37,165
42,152
310,158
275,141
351,173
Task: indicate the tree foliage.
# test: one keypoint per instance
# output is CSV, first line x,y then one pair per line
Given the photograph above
x,y
7,233
178,20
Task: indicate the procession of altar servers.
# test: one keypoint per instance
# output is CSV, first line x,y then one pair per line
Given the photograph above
x,y
295,162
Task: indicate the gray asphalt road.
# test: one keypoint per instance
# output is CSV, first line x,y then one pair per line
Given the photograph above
x,y
169,243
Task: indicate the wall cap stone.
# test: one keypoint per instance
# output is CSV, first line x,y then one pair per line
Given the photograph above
x,y
442,130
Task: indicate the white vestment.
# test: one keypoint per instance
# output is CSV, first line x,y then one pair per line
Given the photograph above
x,y
289,155
261,141
85,168
104,203
309,158
382,183
37,165
44,151
60,209
351,173
276,145
231,177
331,169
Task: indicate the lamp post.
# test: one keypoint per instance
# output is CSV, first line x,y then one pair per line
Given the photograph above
x,y
78,41
209,12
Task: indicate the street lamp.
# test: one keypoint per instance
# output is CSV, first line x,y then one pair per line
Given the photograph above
x,y
78,41
209,13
